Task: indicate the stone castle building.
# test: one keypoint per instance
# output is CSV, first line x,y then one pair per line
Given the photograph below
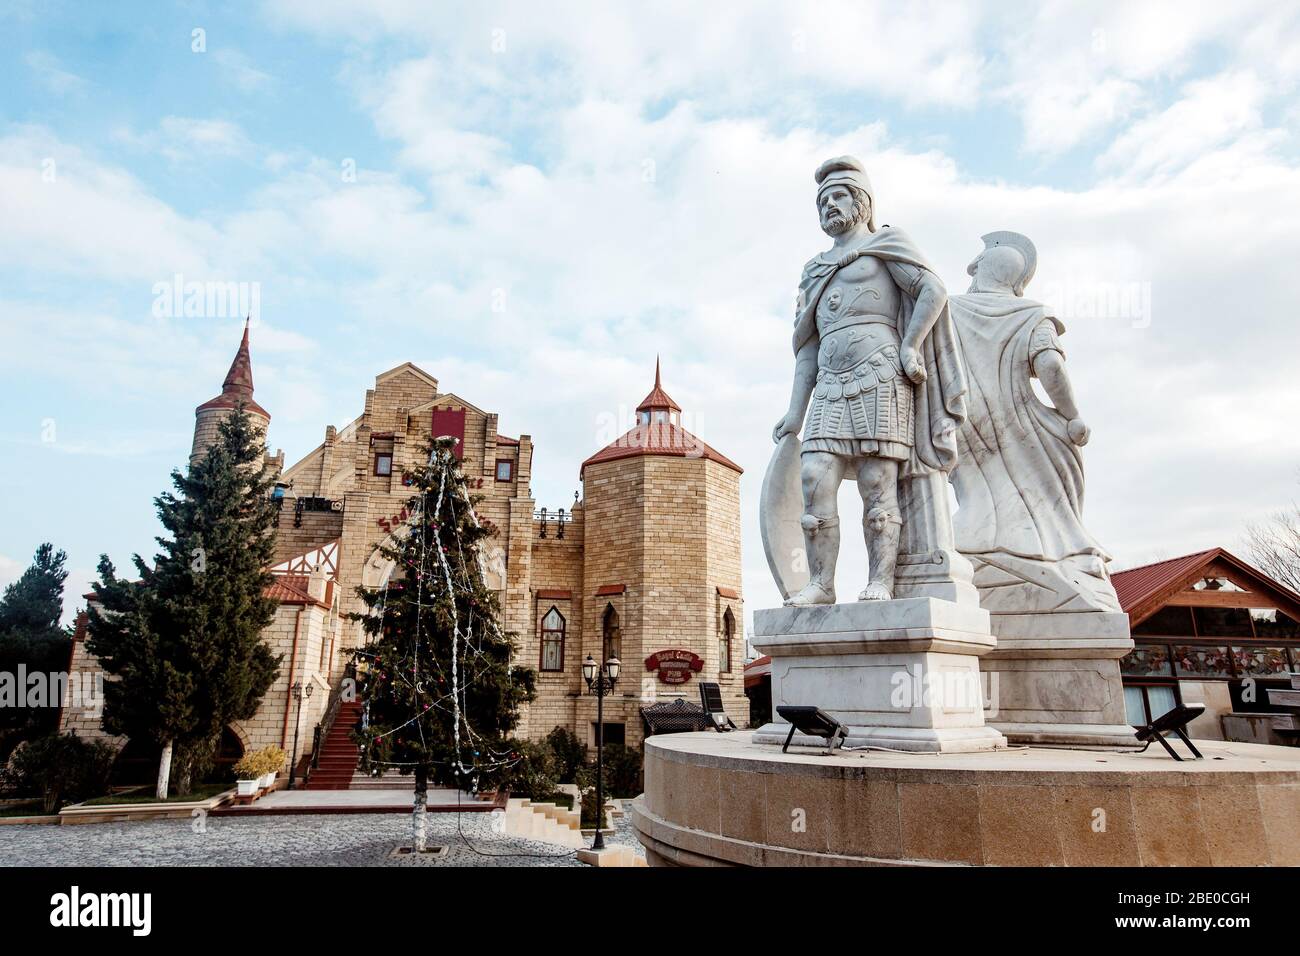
x,y
645,564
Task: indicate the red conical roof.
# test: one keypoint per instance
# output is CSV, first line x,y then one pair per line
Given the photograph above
x,y
238,386
658,399
667,438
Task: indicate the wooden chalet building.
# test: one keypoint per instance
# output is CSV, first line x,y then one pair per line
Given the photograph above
x,y
1208,628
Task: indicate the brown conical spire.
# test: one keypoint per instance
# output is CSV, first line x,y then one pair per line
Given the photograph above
x,y
238,386
240,377
658,399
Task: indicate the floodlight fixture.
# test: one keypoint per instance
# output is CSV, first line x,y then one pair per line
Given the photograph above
x,y
1172,722
814,722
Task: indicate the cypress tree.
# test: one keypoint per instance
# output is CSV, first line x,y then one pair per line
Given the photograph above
x,y
185,641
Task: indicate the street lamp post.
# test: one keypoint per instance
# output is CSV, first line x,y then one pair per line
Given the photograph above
x,y
297,691
600,678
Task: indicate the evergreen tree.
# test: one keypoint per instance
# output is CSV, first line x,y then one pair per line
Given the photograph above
x,y
32,605
185,641
32,637
441,692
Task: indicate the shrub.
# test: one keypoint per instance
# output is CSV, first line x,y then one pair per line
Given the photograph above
x,y
60,769
534,775
623,770
570,753
623,778
589,806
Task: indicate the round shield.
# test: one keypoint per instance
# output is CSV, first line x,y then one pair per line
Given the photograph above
x,y
779,509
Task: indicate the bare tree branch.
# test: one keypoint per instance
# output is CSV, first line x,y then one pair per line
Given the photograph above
x,y
1275,547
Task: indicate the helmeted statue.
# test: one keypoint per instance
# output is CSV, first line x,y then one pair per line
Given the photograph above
x,y
876,355
1019,473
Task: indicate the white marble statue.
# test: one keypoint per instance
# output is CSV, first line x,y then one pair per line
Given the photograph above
x,y
1019,472
876,355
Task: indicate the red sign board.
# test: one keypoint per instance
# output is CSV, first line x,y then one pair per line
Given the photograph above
x,y
450,422
674,667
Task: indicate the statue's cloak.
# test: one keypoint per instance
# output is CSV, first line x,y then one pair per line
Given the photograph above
x,y
940,399
1019,478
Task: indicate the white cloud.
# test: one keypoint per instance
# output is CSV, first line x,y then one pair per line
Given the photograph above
x,y
67,213
52,74
187,139
239,69
1211,113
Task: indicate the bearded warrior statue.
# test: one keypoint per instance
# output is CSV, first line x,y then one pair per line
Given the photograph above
x,y
875,354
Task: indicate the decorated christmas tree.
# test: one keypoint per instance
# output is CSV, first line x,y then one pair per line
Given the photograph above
x,y
441,692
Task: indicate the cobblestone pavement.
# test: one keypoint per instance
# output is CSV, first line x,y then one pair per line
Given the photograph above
x,y
303,840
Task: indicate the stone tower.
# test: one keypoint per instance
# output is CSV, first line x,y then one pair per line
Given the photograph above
x,y
238,387
662,563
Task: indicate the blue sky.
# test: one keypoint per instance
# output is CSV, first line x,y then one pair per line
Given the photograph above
x,y
544,201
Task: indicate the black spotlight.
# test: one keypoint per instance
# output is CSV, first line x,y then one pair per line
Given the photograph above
x,y
1173,722
814,722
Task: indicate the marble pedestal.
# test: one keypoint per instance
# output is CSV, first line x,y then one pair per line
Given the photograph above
x,y
1053,679
901,674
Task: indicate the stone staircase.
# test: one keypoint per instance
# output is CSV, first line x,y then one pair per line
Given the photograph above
x,y
546,822
552,823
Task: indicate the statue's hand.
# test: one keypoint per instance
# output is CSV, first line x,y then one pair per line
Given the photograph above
x,y
1079,432
786,426
913,366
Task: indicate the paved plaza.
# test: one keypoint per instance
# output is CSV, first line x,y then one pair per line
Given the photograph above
x,y
298,840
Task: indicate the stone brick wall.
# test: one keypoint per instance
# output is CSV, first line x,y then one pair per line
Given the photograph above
x,y
316,528
83,665
208,421
668,529
555,567
275,720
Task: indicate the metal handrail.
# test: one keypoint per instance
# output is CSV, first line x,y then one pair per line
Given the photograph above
x,y
322,730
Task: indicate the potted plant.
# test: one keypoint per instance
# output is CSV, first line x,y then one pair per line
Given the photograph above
x,y
272,762
248,773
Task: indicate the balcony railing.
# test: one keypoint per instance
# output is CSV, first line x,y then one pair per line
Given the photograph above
x,y
559,517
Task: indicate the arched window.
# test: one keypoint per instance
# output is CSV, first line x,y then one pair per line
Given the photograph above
x,y
553,640
724,648
611,644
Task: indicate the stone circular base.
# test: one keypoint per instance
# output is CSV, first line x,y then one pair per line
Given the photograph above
x,y
723,800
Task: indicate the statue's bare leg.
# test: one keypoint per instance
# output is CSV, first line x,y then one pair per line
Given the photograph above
x,y
881,524
821,474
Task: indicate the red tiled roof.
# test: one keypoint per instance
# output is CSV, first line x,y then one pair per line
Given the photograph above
x,y
728,592
1137,584
291,589
1143,591
554,594
503,440
238,386
668,438
607,589
658,438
